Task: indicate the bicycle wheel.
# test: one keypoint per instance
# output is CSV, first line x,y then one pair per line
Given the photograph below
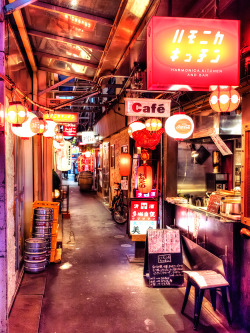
x,y
120,214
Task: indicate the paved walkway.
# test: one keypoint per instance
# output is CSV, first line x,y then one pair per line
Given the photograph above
x,y
96,290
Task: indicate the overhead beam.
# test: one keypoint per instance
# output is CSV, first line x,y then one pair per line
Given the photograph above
x,y
80,92
65,40
78,110
25,38
62,72
55,85
16,5
67,11
71,60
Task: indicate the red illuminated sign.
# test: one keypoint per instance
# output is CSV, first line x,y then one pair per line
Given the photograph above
x,y
192,54
69,130
143,215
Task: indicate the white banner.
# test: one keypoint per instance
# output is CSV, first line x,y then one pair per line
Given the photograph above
x,y
64,157
88,137
157,108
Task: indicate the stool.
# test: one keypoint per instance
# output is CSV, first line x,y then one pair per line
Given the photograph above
x,y
202,280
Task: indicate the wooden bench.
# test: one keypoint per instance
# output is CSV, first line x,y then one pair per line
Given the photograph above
x,y
206,272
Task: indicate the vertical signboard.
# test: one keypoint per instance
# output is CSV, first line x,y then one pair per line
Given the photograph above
x,y
192,53
143,216
163,258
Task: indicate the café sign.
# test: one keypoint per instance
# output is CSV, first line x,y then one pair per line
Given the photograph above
x,y
192,53
147,107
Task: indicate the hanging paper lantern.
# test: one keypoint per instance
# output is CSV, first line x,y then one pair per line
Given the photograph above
x,y
87,153
135,126
43,126
144,155
145,179
17,113
58,145
51,131
224,100
153,124
58,137
124,164
145,139
24,131
179,126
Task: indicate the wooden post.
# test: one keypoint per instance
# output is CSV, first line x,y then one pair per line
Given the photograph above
x,y
3,205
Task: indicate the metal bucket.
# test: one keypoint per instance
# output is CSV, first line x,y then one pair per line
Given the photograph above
x,y
35,244
35,266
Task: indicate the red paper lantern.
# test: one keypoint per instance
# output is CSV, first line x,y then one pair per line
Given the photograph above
x,y
224,100
144,155
145,179
145,139
124,164
153,124
17,114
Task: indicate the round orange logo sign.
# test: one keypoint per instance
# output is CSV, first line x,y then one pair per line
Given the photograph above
x,y
183,126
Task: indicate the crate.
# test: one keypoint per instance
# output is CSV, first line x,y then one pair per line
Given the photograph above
x,y
49,204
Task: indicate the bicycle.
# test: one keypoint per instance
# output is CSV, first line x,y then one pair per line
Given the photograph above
x,y
119,210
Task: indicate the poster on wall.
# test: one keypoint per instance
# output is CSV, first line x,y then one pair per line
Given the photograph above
x,y
192,53
143,216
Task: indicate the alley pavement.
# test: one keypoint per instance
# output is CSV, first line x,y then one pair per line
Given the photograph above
x,y
95,289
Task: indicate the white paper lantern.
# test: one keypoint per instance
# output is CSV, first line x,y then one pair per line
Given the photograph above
x,y
25,131
50,133
179,126
135,126
58,145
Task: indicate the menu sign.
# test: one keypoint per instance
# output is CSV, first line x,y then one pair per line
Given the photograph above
x,y
69,130
192,53
143,216
163,258
214,203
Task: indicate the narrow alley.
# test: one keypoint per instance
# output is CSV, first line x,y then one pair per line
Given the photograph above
x,y
95,289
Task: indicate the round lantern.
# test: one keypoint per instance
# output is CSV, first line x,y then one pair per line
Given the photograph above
x,y
17,113
24,131
135,126
124,164
87,154
58,137
224,100
58,145
153,125
51,131
144,155
43,126
145,179
179,126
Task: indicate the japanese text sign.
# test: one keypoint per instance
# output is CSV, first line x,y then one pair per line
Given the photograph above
x,y
61,117
143,215
150,195
70,130
191,53
147,107
88,137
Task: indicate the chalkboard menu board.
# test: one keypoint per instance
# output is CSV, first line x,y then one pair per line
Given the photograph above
x,y
163,258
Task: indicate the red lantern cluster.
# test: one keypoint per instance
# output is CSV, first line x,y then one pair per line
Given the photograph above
x,y
145,139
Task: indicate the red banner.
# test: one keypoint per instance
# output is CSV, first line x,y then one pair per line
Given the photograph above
x,y
69,130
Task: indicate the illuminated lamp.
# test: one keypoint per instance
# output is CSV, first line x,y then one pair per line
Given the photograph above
x,y
17,113
43,126
51,131
1,115
179,126
58,145
144,155
56,194
87,154
124,164
145,179
224,100
153,125
58,137
135,126
24,131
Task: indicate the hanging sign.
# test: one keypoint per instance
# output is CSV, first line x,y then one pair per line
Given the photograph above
x,y
62,117
163,258
220,144
143,215
150,195
147,107
70,130
192,53
64,157
88,137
